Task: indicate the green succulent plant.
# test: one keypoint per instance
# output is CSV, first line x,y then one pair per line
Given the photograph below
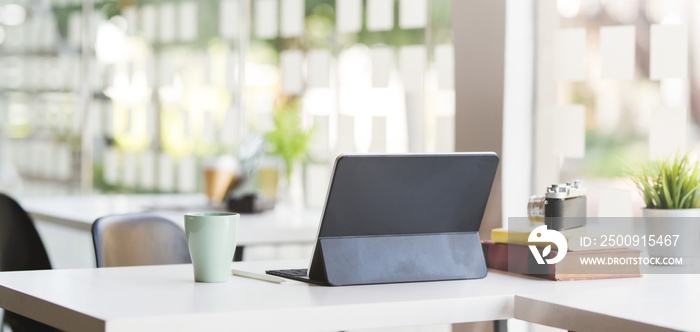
x,y
671,182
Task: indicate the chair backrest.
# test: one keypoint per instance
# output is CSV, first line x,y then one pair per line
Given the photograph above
x,y
21,248
20,245
138,239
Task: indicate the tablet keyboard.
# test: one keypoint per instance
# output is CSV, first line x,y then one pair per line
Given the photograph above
x,y
292,273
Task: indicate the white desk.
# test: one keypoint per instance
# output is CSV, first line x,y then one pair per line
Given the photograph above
x,y
281,225
652,303
166,298
65,222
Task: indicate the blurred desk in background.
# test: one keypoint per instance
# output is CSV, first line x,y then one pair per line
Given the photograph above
x,y
65,222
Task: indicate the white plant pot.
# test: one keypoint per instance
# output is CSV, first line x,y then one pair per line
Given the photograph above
x,y
682,222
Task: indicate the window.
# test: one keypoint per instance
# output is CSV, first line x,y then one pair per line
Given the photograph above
x,y
614,86
161,86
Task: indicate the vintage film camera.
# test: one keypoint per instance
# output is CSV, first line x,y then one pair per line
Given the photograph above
x,y
563,206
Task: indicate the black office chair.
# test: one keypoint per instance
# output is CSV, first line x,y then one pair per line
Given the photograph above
x,y
20,249
138,239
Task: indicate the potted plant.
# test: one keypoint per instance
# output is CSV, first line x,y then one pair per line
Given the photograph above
x,y
289,140
670,187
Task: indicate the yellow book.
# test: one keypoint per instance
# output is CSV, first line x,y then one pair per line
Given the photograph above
x,y
578,239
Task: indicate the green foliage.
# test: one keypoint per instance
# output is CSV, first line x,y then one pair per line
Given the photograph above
x,y
668,183
289,139
607,155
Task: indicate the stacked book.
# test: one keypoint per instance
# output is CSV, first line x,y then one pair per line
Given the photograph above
x,y
588,257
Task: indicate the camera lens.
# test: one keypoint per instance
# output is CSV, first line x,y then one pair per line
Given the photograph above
x,y
535,208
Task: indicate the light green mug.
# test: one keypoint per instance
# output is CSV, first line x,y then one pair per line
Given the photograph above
x,y
211,237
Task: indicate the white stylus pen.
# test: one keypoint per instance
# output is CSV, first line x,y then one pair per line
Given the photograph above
x,y
259,276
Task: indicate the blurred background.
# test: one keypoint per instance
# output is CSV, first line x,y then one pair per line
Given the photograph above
x,y
626,69
136,96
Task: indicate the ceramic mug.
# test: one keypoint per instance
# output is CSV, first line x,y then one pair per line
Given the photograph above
x,y
211,238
